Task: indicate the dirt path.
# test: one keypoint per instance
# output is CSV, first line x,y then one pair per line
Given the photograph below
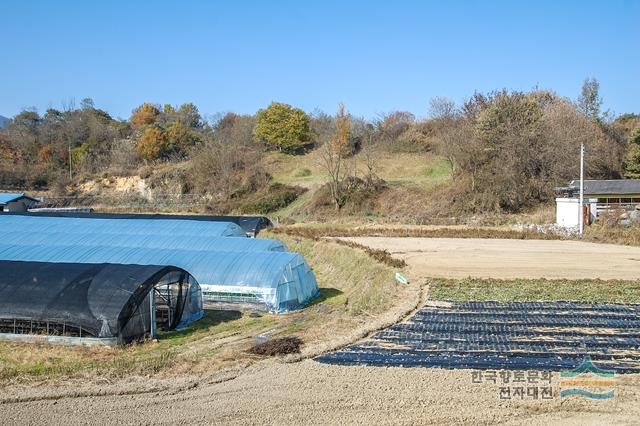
x,y
461,258
313,393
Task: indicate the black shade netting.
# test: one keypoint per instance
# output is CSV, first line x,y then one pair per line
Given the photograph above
x,y
103,300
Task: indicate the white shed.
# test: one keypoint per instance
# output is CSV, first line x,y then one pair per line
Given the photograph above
x,y
568,211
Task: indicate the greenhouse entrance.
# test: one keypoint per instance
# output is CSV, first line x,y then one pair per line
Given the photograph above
x,y
89,304
169,299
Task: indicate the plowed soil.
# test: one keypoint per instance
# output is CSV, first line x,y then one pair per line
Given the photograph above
x,y
486,258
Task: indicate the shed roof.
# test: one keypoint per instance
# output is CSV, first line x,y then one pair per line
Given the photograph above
x,y
7,197
604,187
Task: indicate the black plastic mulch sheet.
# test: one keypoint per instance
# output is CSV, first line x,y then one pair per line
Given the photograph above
x,y
491,335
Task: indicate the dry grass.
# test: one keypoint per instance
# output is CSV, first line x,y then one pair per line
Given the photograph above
x,y
395,168
613,234
328,230
382,256
524,290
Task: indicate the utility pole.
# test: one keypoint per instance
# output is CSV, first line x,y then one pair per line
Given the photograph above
x,y
581,209
70,177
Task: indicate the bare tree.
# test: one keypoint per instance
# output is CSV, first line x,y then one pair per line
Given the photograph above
x,y
332,157
589,102
440,108
365,135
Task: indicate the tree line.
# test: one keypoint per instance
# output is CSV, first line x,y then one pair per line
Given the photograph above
x,y
507,149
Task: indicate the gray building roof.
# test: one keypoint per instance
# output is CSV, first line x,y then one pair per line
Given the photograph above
x,y
606,187
8,197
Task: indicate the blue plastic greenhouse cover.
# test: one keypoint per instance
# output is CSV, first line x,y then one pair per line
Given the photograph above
x,y
120,226
252,225
282,280
28,238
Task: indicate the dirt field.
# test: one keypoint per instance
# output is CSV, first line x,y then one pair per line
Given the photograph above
x,y
273,392
313,393
484,258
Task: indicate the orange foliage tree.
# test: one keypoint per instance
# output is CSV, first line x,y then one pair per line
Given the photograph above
x,y
145,115
153,144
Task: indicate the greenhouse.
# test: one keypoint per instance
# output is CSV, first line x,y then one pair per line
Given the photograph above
x,y
94,303
39,224
279,281
250,224
176,242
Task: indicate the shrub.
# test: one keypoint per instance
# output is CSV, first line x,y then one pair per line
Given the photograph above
x,y
301,173
275,197
358,195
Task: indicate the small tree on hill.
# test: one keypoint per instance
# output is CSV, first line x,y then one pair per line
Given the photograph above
x,y
590,101
181,138
145,115
632,158
282,126
153,144
332,157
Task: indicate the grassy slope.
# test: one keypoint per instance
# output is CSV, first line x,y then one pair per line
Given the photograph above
x,y
355,289
421,171
306,170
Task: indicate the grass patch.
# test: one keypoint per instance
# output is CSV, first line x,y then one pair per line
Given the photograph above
x,y
39,360
276,196
351,281
382,256
439,171
287,212
525,290
328,230
613,234
300,173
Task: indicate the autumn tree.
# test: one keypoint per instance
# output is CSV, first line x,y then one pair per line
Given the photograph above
x,y
283,127
153,144
180,138
332,157
145,115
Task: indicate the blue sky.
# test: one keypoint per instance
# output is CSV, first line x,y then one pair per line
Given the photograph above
x,y
375,56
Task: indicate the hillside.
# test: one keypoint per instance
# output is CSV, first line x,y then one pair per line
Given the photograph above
x,y
409,181
499,154
3,121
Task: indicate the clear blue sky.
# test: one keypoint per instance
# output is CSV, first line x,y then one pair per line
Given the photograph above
x,y
375,56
